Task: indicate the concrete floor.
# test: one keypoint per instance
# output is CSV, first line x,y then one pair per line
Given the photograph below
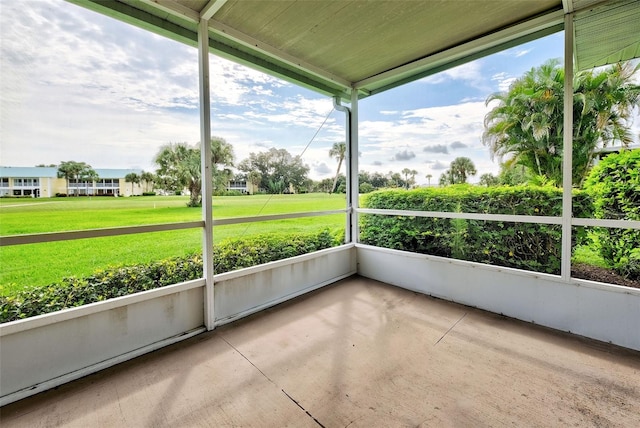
x,y
361,354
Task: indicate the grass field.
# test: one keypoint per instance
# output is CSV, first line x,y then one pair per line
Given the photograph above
x,y
40,264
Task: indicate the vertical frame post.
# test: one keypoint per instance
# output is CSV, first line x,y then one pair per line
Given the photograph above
x,y
354,191
347,115
567,149
206,171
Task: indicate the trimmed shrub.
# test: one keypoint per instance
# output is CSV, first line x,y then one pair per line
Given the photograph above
x,y
148,193
120,281
235,254
528,246
615,186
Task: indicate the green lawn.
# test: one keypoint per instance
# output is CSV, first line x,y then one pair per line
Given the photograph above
x,y
40,264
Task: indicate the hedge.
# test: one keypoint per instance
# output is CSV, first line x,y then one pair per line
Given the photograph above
x,y
615,186
529,246
120,281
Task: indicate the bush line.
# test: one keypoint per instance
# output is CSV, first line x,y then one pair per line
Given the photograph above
x,y
615,187
529,246
120,281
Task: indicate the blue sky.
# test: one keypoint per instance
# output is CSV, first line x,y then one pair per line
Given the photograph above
x,y
80,86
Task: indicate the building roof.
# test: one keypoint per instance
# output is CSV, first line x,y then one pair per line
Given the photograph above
x,y
28,171
52,172
335,46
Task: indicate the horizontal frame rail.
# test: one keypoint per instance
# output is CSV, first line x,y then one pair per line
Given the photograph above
x,y
259,218
467,216
37,238
620,224
597,222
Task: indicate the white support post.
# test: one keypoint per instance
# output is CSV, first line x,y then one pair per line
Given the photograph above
x,y
206,170
352,172
567,148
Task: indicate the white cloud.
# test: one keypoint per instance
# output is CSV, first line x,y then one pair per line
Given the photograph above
x,y
458,145
521,52
516,52
404,155
504,80
439,165
436,148
470,73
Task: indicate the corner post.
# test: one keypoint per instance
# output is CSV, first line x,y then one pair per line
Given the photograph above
x,y
353,177
567,149
206,171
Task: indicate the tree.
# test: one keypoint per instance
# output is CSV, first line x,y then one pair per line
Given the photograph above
x,y
279,171
337,151
132,178
148,179
254,178
526,125
406,172
446,178
489,180
70,170
222,158
461,168
413,177
179,167
88,175
376,179
428,177
458,172
394,179
514,175
365,188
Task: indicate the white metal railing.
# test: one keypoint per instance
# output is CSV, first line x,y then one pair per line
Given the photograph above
x,y
36,238
594,222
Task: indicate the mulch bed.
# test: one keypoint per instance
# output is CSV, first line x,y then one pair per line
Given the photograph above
x,y
595,273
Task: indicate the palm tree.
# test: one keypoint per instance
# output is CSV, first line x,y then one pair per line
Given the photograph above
x,y
428,177
337,151
413,177
69,170
461,168
88,175
147,178
179,164
132,178
406,172
527,123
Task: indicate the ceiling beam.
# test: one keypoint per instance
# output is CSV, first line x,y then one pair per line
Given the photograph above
x,y
211,9
174,8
